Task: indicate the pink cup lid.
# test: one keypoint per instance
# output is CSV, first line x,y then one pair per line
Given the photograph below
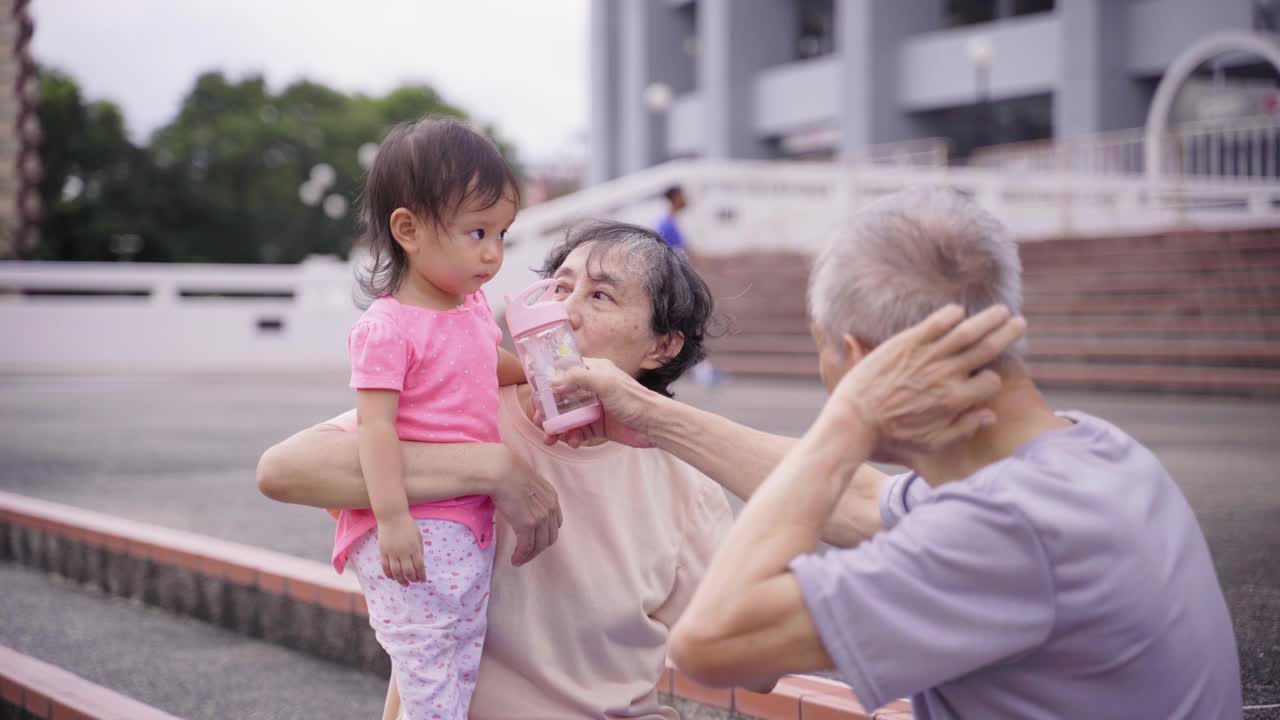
x,y
534,307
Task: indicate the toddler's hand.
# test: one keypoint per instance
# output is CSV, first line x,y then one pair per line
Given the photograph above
x,y
400,545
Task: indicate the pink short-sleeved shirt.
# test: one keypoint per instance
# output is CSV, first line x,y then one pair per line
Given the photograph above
x,y
444,364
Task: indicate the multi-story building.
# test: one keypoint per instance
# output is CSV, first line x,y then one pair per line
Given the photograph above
x,y
830,78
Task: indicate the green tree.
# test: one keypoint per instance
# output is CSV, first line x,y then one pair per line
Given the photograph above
x,y
244,153
95,189
221,182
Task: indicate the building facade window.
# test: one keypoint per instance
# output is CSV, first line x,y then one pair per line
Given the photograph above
x,y
958,13
1031,7
815,28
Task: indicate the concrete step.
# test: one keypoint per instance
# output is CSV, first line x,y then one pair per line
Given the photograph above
x,y
1038,270
739,274
1193,251
1224,299
1121,260
190,669
32,688
1035,273
1190,241
1209,352
1245,301
1182,351
1161,282
1254,382
1241,327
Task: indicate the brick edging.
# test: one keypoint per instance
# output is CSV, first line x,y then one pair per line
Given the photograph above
x,y
795,696
50,693
301,604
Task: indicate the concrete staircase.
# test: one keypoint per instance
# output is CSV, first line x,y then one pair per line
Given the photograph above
x,y
1189,312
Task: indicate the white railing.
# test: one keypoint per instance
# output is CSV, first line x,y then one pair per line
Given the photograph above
x,y
1118,152
66,317
317,282
744,205
931,152
1245,150
739,206
143,318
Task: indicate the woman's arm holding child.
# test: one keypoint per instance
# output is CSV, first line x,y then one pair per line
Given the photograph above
x,y
320,467
510,371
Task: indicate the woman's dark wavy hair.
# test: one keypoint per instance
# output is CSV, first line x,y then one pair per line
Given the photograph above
x,y
681,300
432,167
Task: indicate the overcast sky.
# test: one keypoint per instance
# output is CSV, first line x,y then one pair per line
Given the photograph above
x,y
521,64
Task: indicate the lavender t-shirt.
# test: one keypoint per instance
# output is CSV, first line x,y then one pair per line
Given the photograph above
x,y
1070,580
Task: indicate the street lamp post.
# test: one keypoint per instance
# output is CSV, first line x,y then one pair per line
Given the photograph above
x,y
658,98
981,54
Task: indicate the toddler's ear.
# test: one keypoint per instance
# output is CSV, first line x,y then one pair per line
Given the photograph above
x,y
404,229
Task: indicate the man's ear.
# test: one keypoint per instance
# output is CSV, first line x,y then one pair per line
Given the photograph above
x,y
664,350
855,349
404,229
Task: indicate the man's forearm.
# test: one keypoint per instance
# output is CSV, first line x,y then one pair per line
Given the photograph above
x,y
735,456
739,458
785,517
746,620
320,467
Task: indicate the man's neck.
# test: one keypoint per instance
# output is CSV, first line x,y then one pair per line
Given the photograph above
x,y
1021,416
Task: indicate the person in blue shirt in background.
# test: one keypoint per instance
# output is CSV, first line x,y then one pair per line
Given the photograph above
x,y
704,372
667,227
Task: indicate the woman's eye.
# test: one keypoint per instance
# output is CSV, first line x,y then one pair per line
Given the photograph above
x,y
476,234
601,295
561,290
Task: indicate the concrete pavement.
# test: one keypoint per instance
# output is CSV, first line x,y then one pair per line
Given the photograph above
x,y
180,452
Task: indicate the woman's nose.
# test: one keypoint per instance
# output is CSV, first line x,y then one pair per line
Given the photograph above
x,y
573,308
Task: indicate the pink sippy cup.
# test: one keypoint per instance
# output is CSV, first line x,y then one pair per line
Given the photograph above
x,y
539,324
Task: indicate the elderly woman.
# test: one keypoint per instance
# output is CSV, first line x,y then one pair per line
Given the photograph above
x,y
580,629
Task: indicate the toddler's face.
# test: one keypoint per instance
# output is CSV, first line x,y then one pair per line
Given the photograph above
x,y
467,250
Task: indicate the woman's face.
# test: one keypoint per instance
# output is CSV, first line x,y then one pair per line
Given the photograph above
x,y
609,309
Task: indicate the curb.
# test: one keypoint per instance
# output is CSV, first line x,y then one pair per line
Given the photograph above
x,y
304,605
30,688
300,604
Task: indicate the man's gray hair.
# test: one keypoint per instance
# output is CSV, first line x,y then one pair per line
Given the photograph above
x,y
907,255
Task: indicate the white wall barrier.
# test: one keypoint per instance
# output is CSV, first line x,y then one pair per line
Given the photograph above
x,y
70,317
136,318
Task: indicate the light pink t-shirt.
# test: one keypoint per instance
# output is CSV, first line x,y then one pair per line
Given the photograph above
x,y
444,364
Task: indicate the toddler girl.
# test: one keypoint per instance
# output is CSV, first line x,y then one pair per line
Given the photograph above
x,y
425,364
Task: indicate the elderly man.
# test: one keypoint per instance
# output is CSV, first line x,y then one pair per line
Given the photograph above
x,y
1046,567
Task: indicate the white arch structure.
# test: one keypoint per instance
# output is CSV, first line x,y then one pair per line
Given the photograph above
x,y
1265,45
